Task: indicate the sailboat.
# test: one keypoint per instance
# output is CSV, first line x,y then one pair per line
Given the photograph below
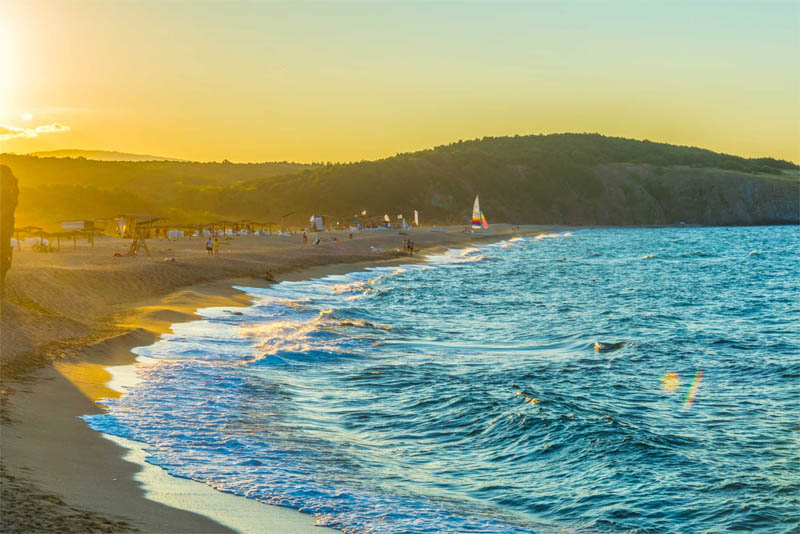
x,y
478,218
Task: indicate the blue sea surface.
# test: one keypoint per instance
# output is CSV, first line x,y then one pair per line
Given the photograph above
x,y
464,394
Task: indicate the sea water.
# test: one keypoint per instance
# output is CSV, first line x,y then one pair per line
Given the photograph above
x,y
464,393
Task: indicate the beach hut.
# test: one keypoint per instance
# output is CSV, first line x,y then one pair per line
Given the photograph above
x,y
317,223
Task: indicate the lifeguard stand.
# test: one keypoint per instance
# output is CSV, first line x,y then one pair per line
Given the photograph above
x,y
137,226
137,241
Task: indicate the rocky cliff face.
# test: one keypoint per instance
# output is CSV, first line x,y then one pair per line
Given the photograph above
x,y
625,194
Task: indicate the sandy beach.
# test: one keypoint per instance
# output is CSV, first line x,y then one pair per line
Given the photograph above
x,y
68,316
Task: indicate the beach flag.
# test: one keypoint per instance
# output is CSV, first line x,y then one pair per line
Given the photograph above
x,y
416,218
386,217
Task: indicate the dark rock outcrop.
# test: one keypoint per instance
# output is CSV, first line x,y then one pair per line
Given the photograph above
x,y
8,203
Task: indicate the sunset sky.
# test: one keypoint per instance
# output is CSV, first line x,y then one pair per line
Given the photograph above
x,y
345,81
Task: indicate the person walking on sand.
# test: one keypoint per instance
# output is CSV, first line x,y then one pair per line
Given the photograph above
x,y
216,246
305,238
210,246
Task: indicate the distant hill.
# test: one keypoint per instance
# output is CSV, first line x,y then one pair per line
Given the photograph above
x,y
576,179
56,189
99,155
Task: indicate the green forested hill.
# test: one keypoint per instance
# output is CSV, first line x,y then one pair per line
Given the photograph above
x,y
54,189
562,179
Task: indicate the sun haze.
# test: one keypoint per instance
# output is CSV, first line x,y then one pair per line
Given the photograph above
x,y
351,81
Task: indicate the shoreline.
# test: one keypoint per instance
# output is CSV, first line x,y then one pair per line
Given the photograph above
x,y
60,455
235,512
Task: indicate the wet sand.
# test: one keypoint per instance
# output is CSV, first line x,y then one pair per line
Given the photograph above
x,y
68,316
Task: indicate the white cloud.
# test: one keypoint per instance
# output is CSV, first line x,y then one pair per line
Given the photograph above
x,y
51,128
10,132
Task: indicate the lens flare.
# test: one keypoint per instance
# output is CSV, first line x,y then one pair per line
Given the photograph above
x,y
670,382
690,395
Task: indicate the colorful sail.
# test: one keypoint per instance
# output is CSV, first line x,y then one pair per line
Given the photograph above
x,y
476,214
484,224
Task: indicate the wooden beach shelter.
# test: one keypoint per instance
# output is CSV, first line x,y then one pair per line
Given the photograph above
x,y
253,225
224,225
74,234
35,231
163,230
283,220
76,228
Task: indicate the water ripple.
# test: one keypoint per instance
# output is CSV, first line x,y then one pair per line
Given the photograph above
x,y
465,394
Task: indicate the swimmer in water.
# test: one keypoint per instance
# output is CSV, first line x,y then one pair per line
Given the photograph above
x,y
599,346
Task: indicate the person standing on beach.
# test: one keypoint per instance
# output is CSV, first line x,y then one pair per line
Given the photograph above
x,y
216,246
305,238
210,246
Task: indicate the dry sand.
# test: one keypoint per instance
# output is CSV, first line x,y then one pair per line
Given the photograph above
x,y
69,315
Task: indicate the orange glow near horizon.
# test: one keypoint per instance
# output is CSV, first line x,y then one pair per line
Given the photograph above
x,y
352,81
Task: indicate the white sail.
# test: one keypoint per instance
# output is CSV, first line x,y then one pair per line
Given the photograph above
x,y
476,214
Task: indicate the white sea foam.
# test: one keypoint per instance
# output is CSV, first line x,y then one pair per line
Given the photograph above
x,y
554,235
205,378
